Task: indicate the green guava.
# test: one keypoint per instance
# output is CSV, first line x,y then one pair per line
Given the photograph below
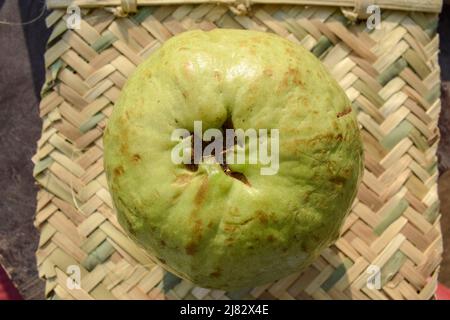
x,y
229,226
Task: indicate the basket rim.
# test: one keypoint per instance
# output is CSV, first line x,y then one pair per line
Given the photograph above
x,y
359,6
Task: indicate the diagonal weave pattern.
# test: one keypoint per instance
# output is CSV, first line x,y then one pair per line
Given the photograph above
x,y
390,74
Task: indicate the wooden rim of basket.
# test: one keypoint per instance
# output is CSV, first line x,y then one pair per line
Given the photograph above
x,y
359,7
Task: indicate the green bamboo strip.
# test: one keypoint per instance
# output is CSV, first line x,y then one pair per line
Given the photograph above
x,y
340,272
433,168
293,27
99,255
58,30
125,243
142,14
239,294
419,140
55,68
432,212
396,135
391,72
391,216
321,46
417,63
104,42
368,93
91,122
422,20
169,281
42,165
433,94
392,266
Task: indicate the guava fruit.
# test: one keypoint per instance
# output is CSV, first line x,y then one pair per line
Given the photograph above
x,y
227,226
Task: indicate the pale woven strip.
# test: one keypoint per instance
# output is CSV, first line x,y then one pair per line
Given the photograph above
x,y
392,77
359,6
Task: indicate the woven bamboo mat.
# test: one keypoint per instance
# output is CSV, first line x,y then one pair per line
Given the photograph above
x,y
392,77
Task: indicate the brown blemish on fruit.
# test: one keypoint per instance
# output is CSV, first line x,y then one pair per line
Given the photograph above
x,y
118,171
270,238
304,247
262,217
201,193
316,238
197,228
163,243
338,180
339,137
343,113
294,74
183,179
307,196
347,173
229,228
305,102
268,72
246,221
192,246
289,51
244,43
256,39
283,85
124,148
216,273
135,158
326,137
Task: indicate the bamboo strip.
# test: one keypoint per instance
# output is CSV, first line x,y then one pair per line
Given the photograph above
x,y
412,5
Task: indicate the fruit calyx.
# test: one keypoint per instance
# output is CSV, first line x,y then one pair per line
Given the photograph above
x,y
192,166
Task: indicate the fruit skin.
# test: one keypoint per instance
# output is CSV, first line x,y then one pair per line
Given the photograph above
x,y
206,226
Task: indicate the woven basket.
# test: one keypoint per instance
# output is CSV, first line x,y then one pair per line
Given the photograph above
x,y
391,75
